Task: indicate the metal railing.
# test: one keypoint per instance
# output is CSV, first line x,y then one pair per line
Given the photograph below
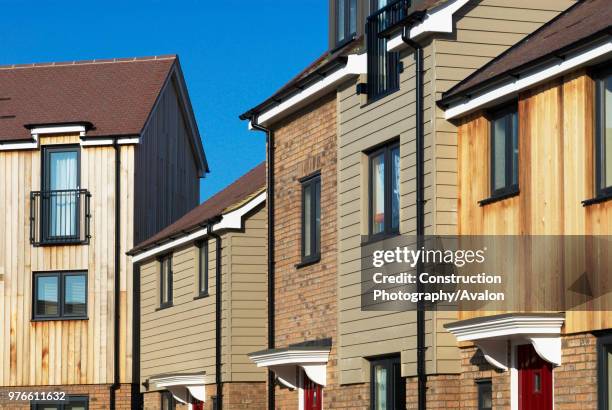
x,y
60,217
383,67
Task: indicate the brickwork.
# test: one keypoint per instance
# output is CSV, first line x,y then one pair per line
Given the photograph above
x,y
236,396
475,367
99,395
442,392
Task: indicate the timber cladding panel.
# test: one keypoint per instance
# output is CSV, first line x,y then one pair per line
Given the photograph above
x,y
75,351
555,176
181,338
483,29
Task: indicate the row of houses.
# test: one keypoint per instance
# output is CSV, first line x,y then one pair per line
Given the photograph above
x,y
424,118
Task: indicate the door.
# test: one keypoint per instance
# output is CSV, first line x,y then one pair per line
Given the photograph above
x,y
313,395
535,380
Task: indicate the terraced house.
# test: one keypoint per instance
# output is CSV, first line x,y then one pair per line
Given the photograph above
x,y
358,151
535,158
95,156
203,303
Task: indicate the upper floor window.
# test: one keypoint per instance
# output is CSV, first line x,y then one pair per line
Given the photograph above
x,y
203,269
384,197
603,134
60,295
346,20
165,281
311,218
504,151
388,388
383,66
67,403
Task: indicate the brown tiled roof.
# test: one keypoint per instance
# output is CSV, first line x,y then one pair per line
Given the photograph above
x,y
225,200
584,20
116,95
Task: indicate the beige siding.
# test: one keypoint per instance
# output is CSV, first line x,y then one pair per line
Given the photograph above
x,y
64,352
181,338
166,174
483,30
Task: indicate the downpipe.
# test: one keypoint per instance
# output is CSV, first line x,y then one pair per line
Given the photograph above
x,y
218,313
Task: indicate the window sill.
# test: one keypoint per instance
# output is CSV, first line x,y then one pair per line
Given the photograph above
x,y
57,319
498,198
307,262
378,238
164,307
201,296
598,199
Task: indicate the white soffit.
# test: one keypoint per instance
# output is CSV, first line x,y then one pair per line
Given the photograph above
x,y
356,65
182,385
437,20
231,220
511,87
285,363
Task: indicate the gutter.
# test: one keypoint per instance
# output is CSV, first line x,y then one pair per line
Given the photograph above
x,y
116,340
420,213
218,314
270,199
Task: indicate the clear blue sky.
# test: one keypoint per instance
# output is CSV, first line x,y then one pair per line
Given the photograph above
x,y
234,54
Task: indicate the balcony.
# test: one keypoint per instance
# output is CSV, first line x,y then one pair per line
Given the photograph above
x,y
386,18
60,217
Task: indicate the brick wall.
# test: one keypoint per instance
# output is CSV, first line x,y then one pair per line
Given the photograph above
x,y
236,396
99,396
442,392
474,367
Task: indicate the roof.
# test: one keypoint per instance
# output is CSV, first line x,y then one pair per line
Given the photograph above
x,y
583,21
235,194
326,62
115,95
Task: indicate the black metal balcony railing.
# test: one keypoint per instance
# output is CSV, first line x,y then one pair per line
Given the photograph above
x,y
60,217
391,15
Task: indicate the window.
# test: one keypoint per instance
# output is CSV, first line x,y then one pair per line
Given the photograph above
x,y
167,401
311,218
485,394
504,152
388,388
604,371
384,190
60,295
71,403
203,269
60,194
383,66
603,135
346,20
165,281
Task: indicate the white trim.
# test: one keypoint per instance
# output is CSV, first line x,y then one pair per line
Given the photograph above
x,y
98,142
514,404
182,386
356,65
548,348
231,220
512,86
93,142
495,353
20,145
59,129
436,20
496,327
285,365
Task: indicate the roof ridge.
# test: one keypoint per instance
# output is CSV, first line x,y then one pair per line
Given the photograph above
x,y
90,62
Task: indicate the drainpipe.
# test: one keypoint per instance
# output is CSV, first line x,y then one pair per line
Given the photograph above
x,y
420,214
218,312
270,203
116,381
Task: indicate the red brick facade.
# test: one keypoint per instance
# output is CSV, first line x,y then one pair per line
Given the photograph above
x,y
98,395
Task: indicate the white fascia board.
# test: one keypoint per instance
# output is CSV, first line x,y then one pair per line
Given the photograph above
x,y
356,65
512,87
296,357
436,20
231,220
178,380
14,146
60,129
507,326
98,142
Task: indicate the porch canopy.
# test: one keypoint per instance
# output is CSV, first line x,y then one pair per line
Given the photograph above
x,y
182,386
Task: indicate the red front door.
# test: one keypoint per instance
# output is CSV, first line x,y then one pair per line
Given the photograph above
x,y
313,395
535,380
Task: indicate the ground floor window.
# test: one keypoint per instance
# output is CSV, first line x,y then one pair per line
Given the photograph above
x,y
604,371
485,394
70,403
388,387
167,401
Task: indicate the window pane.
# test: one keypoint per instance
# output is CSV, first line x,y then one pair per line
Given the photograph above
x,y
317,217
307,209
395,189
485,397
203,278
515,148
607,140
47,296
352,17
499,153
63,169
165,281
340,13
378,194
75,291
381,384
609,373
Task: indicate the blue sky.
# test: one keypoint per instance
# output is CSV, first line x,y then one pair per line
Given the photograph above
x,y
234,54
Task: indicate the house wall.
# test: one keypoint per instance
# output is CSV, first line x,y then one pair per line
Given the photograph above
x,y
72,351
167,182
483,29
555,176
181,338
